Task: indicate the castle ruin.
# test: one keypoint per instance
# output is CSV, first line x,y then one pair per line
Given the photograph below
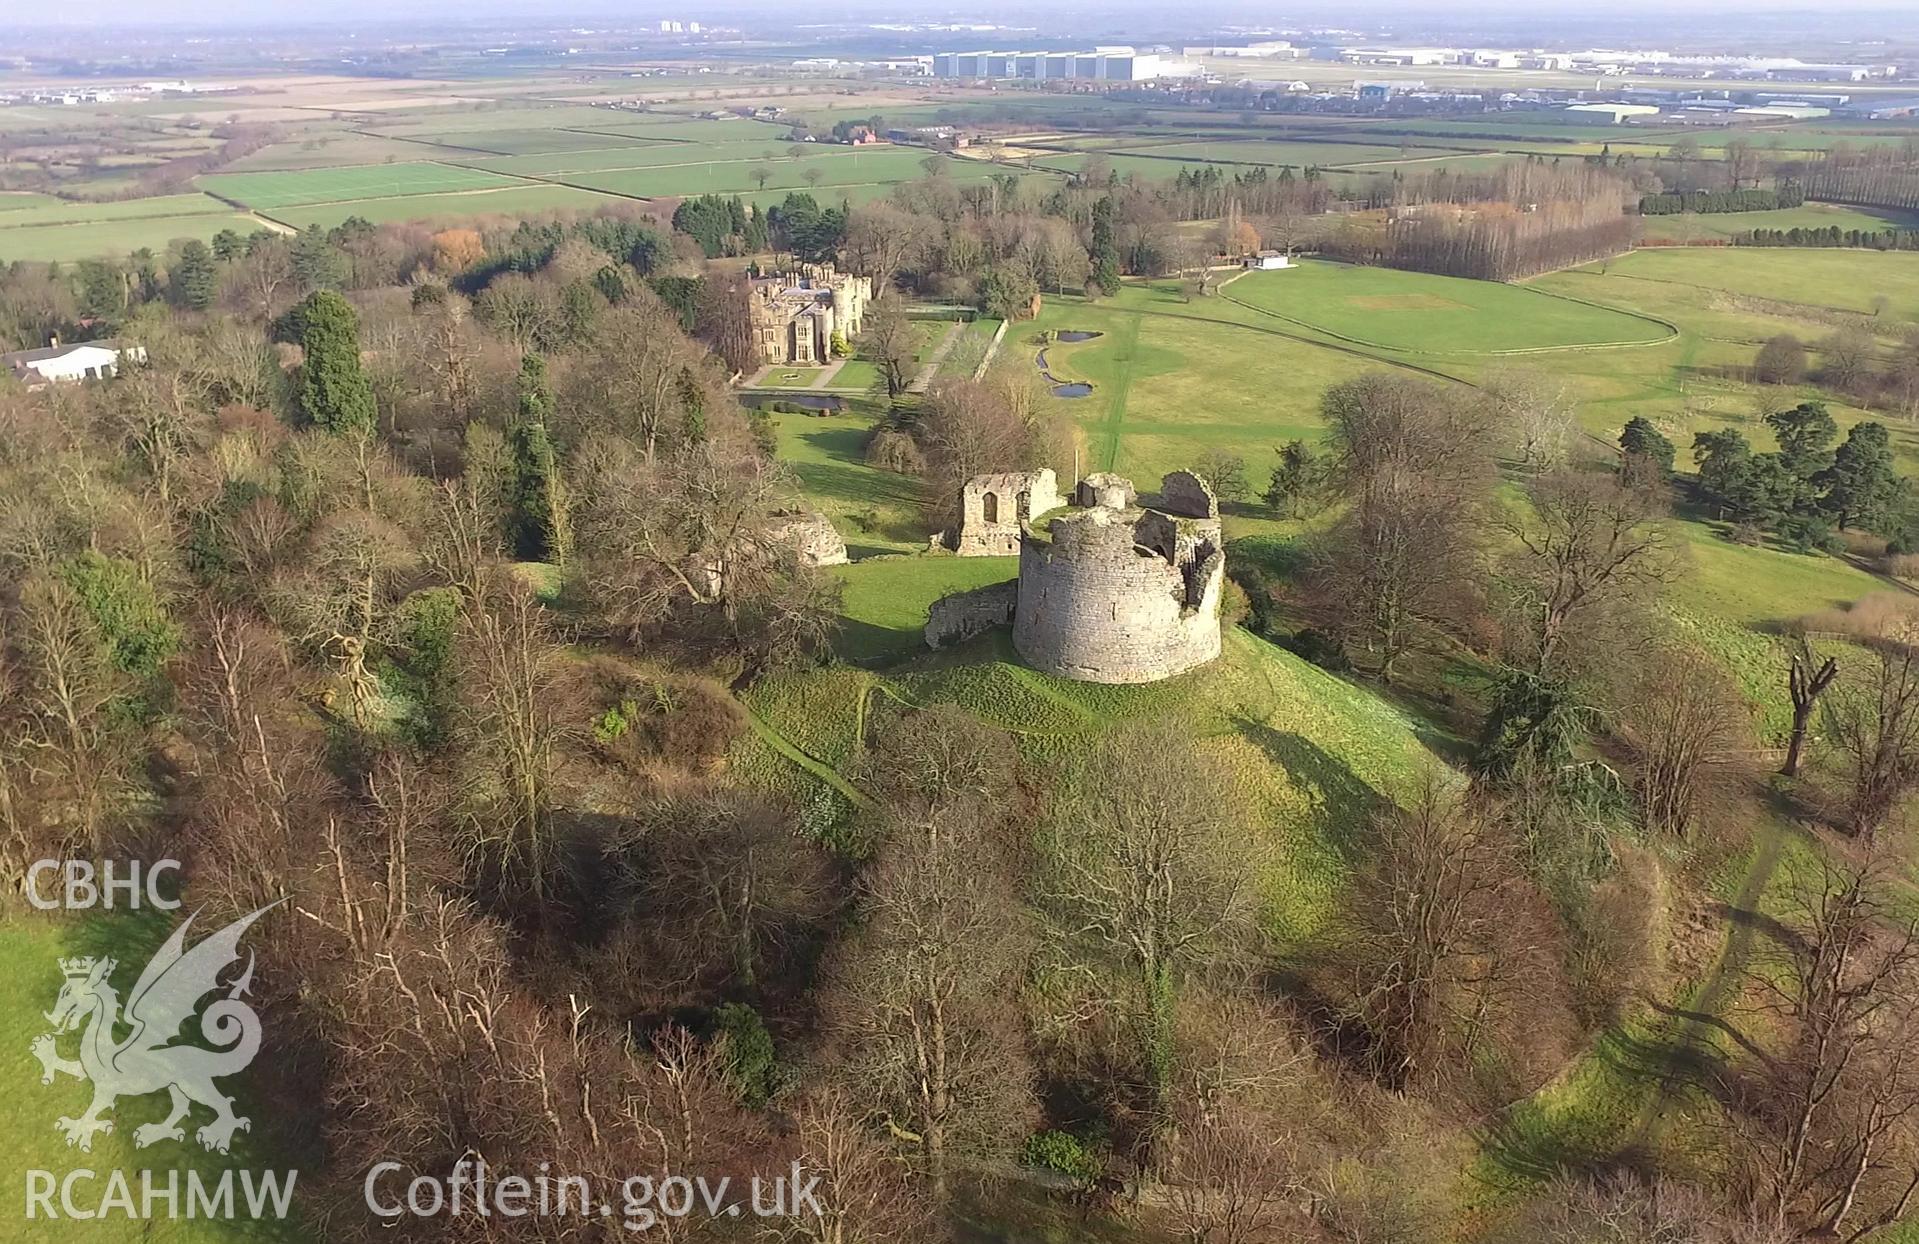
x,y
993,509
1116,589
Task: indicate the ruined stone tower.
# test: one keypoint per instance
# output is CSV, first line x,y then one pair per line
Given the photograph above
x,y
1118,589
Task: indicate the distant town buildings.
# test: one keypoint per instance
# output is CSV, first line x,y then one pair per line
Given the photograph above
x,y
72,95
1607,62
1114,64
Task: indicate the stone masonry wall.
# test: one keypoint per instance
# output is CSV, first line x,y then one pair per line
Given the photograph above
x,y
993,507
1095,606
812,536
956,618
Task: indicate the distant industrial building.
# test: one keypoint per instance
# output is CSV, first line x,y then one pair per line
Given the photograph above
x,y
1400,56
1611,114
1267,49
1099,65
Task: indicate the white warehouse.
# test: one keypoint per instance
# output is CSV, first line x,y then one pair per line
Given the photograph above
x,y
1100,64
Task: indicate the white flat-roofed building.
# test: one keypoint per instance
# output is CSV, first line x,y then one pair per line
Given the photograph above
x,y
82,360
1613,113
1099,65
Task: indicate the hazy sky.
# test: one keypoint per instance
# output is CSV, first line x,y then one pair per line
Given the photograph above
x,y
1862,18
306,12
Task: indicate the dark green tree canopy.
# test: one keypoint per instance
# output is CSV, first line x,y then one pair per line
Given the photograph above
x,y
333,390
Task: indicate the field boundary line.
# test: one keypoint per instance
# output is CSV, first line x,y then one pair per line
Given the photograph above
x,y
1335,346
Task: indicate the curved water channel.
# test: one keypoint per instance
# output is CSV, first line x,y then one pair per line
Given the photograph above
x,y
1065,388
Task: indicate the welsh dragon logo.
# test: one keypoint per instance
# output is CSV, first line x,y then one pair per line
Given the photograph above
x,y
145,1061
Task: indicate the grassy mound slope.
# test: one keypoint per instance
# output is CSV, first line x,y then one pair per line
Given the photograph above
x,y
1318,753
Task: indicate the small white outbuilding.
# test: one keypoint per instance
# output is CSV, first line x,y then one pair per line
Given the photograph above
x,y
81,360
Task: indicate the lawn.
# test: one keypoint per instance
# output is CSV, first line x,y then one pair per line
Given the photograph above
x,y
1843,279
271,191
883,609
1762,588
1317,754
1417,313
828,455
1717,226
1167,385
1697,382
31,947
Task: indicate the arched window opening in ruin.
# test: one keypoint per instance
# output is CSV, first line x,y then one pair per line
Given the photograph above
x,y
989,507
1023,505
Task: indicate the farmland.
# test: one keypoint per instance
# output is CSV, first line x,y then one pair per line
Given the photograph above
x,y
271,191
498,144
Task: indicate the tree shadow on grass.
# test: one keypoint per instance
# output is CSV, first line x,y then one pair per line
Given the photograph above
x,y
1342,802
1527,1145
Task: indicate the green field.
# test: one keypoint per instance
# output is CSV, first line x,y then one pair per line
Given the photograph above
x,y
613,155
685,129
1323,155
328,150
51,211
271,191
1847,280
1717,226
527,142
1415,313
883,166
65,243
516,200
15,200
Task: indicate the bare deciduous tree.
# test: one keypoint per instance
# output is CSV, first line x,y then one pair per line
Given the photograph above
x,y
1586,539
1154,871
1832,1116
1680,715
1875,727
1425,961
1806,680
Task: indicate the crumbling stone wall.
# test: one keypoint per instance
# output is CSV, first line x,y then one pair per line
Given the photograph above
x,y
1185,494
1118,596
993,507
1115,492
956,618
812,536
